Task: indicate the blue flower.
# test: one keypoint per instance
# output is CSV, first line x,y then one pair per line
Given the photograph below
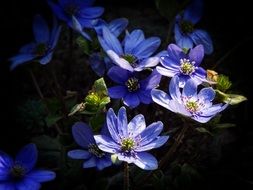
x,y
92,154
134,54
198,106
185,66
78,14
19,173
101,64
130,141
42,48
130,88
185,33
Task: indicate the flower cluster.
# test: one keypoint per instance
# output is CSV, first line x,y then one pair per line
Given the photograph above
x,y
136,65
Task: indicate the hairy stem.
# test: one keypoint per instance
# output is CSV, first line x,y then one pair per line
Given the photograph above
x,y
126,176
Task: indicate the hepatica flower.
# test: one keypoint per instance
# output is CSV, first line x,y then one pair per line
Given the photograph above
x,y
100,64
198,106
130,141
185,33
19,173
42,48
134,53
130,88
185,66
78,14
93,156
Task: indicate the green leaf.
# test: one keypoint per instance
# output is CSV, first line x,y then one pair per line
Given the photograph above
x,y
104,101
231,99
234,99
203,130
100,87
97,122
83,44
52,119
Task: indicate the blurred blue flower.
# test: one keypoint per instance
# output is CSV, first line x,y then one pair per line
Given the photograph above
x,y
185,33
19,174
78,14
92,154
130,141
185,66
134,52
198,106
99,63
42,48
130,88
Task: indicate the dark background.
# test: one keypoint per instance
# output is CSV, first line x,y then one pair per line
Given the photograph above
x,y
230,27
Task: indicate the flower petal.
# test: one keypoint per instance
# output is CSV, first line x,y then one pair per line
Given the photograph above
x,y
82,134
58,11
112,42
131,100
207,94
211,111
122,122
202,37
20,59
185,42
146,161
136,125
147,63
193,12
91,12
132,40
147,47
119,61
150,133
190,89
55,33
28,48
76,25
90,163
126,158
111,121
103,162
7,186
117,91
166,72
169,63
79,154
27,157
152,81
6,163
119,75
107,144
40,29
174,89
159,141
145,96
46,59
97,64
41,175
27,184
196,54
177,31
161,98
117,26
175,53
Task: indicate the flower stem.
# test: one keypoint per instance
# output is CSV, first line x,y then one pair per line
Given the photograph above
x,y
36,85
126,176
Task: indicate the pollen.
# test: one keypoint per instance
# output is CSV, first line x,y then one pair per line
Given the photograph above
x,y
132,84
127,144
17,171
192,106
187,67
